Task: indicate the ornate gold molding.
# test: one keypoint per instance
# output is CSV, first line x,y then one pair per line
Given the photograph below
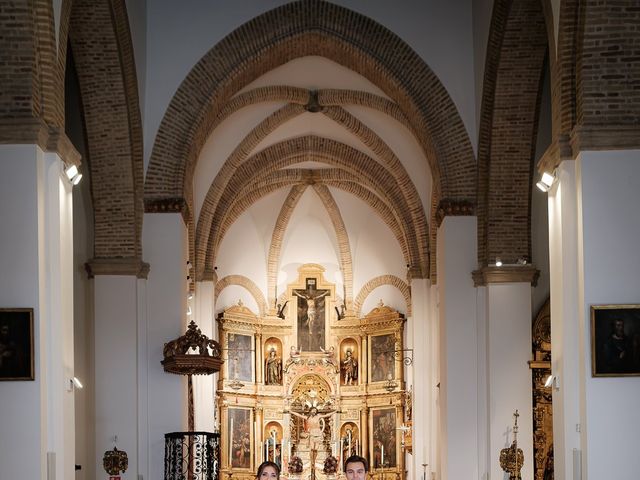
x,y
117,266
506,274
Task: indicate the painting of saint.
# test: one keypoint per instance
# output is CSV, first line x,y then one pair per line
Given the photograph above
x,y
384,438
239,359
239,428
311,318
382,358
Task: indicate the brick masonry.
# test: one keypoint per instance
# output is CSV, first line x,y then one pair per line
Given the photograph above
x,y
595,105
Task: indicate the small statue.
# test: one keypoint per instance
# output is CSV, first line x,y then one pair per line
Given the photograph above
x,y
349,368
281,308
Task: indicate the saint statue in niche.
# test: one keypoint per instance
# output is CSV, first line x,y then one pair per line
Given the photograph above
x,y
349,368
273,368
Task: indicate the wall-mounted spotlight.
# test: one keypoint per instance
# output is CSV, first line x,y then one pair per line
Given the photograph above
x,y
546,181
74,384
189,312
498,262
73,174
552,381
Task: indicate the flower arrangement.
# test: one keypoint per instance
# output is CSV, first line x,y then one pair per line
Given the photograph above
x,y
295,464
330,465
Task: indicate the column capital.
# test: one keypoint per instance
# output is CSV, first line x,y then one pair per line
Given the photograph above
x,y
117,266
505,274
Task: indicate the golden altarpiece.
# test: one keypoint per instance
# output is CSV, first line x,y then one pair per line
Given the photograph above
x,y
312,381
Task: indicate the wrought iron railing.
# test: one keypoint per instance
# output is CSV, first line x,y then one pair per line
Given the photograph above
x,y
191,456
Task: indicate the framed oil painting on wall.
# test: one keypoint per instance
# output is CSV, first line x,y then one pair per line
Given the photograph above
x,y
615,340
16,344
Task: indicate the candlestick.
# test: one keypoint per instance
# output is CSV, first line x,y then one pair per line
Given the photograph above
x,y
382,455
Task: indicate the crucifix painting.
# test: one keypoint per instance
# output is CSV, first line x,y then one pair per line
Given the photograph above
x,y
311,316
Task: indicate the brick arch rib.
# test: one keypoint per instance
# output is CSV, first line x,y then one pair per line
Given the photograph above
x,y
247,284
376,282
275,248
508,127
344,248
291,151
113,125
416,210
311,27
221,182
343,180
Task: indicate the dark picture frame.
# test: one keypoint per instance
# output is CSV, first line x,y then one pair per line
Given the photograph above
x,y
16,344
615,340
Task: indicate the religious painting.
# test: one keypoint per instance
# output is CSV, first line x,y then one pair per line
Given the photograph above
x,y
239,426
382,357
239,357
273,362
383,433
615,340
311,316
16,344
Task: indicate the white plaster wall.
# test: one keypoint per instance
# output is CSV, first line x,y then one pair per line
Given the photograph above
x,y
165,249
21,416
83,334
419,333
390,296
374,248
482,11
35,258
243,251
116,375
564,285
310,236
458,397
178,35
609,229
314,73
509,378
221,143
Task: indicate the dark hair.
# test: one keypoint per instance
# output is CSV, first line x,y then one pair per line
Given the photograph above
x,y
356,459
266,464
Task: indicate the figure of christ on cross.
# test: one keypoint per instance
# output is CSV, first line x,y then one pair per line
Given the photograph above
x,y
314,425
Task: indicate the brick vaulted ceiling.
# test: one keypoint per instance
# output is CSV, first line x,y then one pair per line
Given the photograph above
x,y
210,94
